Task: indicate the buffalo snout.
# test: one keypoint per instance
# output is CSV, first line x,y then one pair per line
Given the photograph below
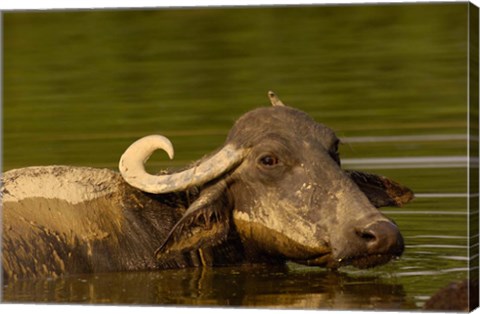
x,y
374,244
382,237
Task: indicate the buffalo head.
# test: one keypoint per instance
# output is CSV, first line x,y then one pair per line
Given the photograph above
x,y
278,185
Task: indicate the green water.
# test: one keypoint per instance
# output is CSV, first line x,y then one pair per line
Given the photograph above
x,y
79,87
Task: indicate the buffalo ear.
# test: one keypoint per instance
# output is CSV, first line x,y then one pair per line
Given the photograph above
x,y
206,223
381,191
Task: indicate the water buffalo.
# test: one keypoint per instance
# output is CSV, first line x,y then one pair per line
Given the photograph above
x,y
274,192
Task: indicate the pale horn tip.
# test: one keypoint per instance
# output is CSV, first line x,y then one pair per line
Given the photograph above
x,y
156,141
138,153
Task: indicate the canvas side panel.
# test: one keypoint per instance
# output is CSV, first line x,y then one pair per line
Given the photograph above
x,y
473,154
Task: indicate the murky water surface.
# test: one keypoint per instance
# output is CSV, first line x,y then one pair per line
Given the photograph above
x,y
79,87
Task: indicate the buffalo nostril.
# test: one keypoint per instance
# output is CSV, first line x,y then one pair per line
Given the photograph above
x,y
367,235
382,237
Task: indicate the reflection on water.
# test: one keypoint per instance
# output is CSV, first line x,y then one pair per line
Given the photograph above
x,y
79,87
259,286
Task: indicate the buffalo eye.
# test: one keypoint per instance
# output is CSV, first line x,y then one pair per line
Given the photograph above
x,y
268,160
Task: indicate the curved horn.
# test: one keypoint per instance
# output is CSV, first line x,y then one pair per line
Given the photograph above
x,y
132,168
